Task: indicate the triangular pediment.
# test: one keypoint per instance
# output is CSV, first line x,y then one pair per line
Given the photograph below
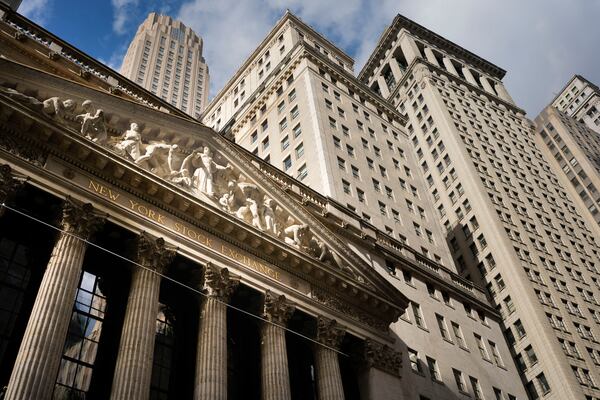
x,y
189,157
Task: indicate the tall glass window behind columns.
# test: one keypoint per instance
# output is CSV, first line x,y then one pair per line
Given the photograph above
x,y
164,347
83,337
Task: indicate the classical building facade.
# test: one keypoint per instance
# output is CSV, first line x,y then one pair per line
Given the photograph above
x,y
165,57
144,256
511,224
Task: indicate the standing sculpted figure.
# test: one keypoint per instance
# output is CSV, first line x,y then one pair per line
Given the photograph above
x,y
205,170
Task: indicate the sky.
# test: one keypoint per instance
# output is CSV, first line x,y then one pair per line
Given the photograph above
x,y
540,43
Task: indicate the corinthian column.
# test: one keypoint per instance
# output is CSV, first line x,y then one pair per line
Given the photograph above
x,y
39,356
275,374
329,378
133,372
9,185
211,358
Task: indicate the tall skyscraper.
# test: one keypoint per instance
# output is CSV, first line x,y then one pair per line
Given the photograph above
x,y
510,222
165,57
296,103
580,99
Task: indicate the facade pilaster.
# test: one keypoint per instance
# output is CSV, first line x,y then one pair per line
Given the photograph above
x,y
383,87
38,360
469,76
431,57
329,377
133,371
9,185
275,373
409,48
503,93
396,69
449,66
486,85
211,358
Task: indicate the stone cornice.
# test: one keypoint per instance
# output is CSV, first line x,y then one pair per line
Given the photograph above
x,y
400,22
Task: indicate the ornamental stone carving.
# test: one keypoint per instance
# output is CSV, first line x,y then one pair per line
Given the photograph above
x,y
93,125
219,283
277,308
329,332
8,185
80,219
153,252
383,357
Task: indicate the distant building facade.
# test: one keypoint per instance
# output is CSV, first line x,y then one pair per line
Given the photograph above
x,y
165,57
580,100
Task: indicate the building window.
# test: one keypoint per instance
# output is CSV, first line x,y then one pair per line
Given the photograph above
x,y
164,346
460,339
415,364
81,344
476,388
346,187
418,315
434,371
302,172
287,163
299,150
442,325
460,380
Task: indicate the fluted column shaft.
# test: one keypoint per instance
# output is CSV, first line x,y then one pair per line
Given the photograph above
x,y
275,376
211,357
37,363
329,377
211,364
133,371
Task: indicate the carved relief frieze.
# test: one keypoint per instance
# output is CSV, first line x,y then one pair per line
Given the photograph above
x,y
347,309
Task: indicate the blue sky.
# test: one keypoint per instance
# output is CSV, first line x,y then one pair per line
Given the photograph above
x,y
541,43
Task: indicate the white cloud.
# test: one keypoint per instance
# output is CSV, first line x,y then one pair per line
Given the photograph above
x,y
123,10
36,10
541,43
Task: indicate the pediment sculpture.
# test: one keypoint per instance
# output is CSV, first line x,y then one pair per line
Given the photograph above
x,y
197,170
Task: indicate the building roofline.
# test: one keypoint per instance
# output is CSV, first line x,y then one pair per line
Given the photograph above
x,y
576,76
287,16
83,60
400,22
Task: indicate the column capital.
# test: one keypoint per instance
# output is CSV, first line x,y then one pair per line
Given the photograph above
x,y
219,283
329,332
80,219
9,184
153,252
383,357
277,308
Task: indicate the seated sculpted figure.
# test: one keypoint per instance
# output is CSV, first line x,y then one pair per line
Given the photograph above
x,y
131,143
297,235
93,125
58,109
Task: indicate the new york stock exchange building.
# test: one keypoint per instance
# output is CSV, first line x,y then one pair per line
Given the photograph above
x,y
144,256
